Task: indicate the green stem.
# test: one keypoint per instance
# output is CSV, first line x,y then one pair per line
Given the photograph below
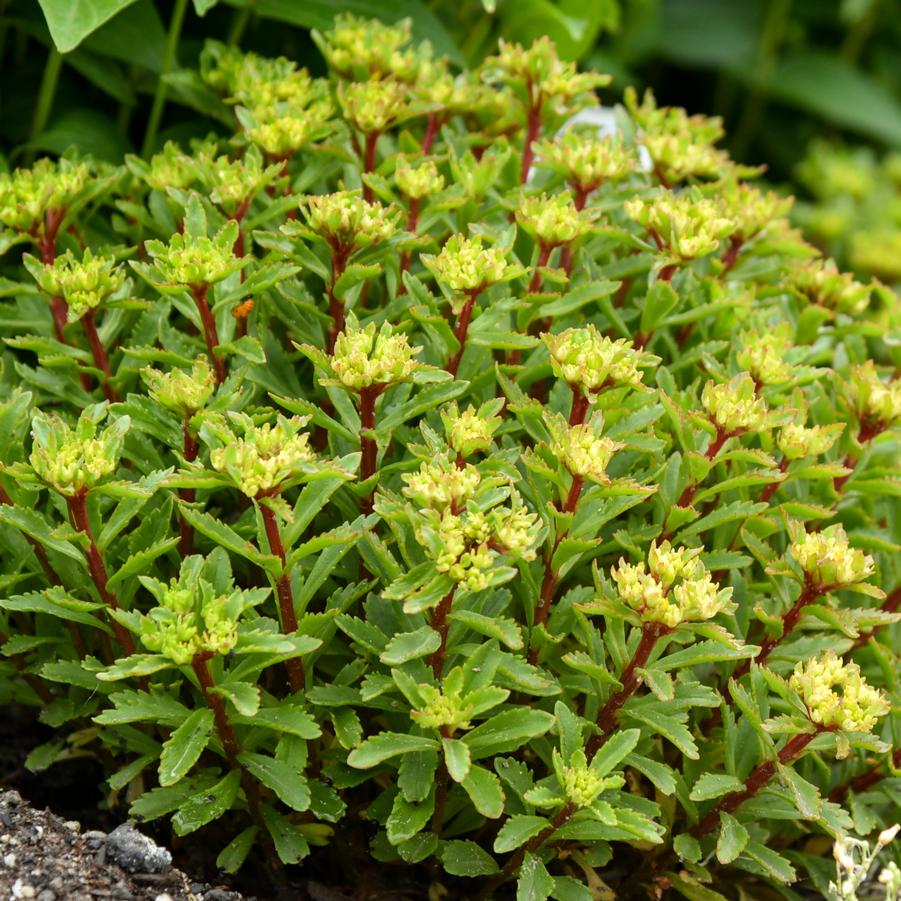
x,y
239,24
47,92
159,98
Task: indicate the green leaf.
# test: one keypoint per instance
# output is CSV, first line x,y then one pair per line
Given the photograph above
x,y
714,785
289,784
614,750
466,858
206,805
687,847
141,706
456,758
770,863
71,21
406,646
534,882
507,731
140,562
224,536
290,843
285,718
408,818
232,856
185,745
517,831
805,795
566,888
243,695
416,774
668,726
485,792
135,666
379,748
33,525
504,629
732,839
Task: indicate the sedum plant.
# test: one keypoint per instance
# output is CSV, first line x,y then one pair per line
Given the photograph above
x,y
524,496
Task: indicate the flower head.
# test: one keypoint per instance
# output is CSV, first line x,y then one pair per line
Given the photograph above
x,y
27,194
372,355
581,448
797,440
836,695
418,181
733,406
365,49
552,219
443,709
763,355
84,284
440,484
466,265
827,558
470,431
190,261
586,160
347,221
875,400
582,783
372,106
180,391
820,282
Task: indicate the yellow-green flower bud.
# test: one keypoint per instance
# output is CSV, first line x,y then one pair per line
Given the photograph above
x,y
441,484
797,440
441,710
876,401
419,181
192,261
372,356
347,221
552,219
686,225
652,119
471,431
681,156
260,459
667,564
733,406
372,106
753,211
84,284
820,282
763,354
581,448
74,460
515,530
182,392
369,49
27,194
828,559
173,168
589,361
581,784
836,695
587,161
234,183
468,266
282,131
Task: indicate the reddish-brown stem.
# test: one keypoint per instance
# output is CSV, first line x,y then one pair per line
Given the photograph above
x,y
335,304
440,624
210,332
217,704
713,449
758,778
773,487
533,132
608,718
667,272
544,254
296,676
187,495
869,429
461,330
406,256
730,257
432,126
622,292
46,243
368,447
865,781
579,409
890,605
369,146
98,352
684,334
78,511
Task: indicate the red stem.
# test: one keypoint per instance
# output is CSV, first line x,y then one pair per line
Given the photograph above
x,y
579,409
216,703
369,163
185,530
667,272
296,676
865,781
78,511
406,256
98,351
608,718
713,449
440,624
866,433
759,777
210,333
773,487
544,254
533,132
335,304
730,257
432,126
461,330
368,447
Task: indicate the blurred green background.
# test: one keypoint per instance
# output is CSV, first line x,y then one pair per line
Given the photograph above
x,y
103,75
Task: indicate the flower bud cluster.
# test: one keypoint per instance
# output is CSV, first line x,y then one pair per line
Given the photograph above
x,y
797,440
581,783
182,392
466,265
233,183
581,448
366,49
418,181
674,588
281,132
193,261
681,156
734,406
74,460
372,355
347,221
836,695
686,226
190,619
443,709
589,361
827,558
172,167
552,219
372,106
763,355
441,484
753,211
84,284
471,431
587,161
821,282
875,400
27,194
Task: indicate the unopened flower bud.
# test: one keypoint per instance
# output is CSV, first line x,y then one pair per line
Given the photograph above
x,y
372,356
733,406
827,558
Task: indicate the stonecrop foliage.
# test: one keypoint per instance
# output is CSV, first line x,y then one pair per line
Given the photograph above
x,y
414,457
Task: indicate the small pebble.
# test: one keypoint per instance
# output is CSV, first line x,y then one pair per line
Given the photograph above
x,y
22,890
94,837
72,825
135,852
47,895
9,860
165,896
